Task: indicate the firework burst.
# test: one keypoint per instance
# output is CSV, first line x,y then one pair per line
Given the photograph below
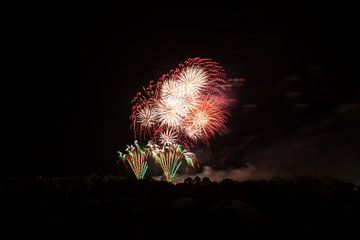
x,y
193,81
168,114
168,137
146,117
190,102
206,120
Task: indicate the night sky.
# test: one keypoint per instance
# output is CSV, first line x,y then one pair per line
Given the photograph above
x,y
76,70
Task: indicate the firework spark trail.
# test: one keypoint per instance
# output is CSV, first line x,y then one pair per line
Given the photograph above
x,y
137,159
170,163
170,158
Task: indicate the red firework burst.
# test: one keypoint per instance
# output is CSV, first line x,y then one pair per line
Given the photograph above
x,y
207,120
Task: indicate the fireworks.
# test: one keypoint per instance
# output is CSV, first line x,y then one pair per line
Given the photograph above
x,y
169,112
206,120
184,107
190,102
168,137
146,117
170,158
136,157
194,80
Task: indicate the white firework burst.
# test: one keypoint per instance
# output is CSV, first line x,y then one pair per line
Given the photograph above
x,y
192,132
172,88
193,80
147,117
168,114
168,137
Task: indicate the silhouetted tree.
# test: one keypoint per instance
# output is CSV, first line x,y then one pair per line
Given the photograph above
x,y
188,180
206,181
197,180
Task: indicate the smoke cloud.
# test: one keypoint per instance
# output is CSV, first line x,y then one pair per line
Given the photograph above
x,y
329,146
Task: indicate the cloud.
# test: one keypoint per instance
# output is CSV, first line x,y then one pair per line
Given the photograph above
x,y
239,174
328,146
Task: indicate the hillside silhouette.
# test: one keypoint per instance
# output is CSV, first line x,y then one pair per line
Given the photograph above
x,y
289,208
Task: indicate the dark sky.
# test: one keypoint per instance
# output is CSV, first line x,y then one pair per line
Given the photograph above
x,y
77,68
